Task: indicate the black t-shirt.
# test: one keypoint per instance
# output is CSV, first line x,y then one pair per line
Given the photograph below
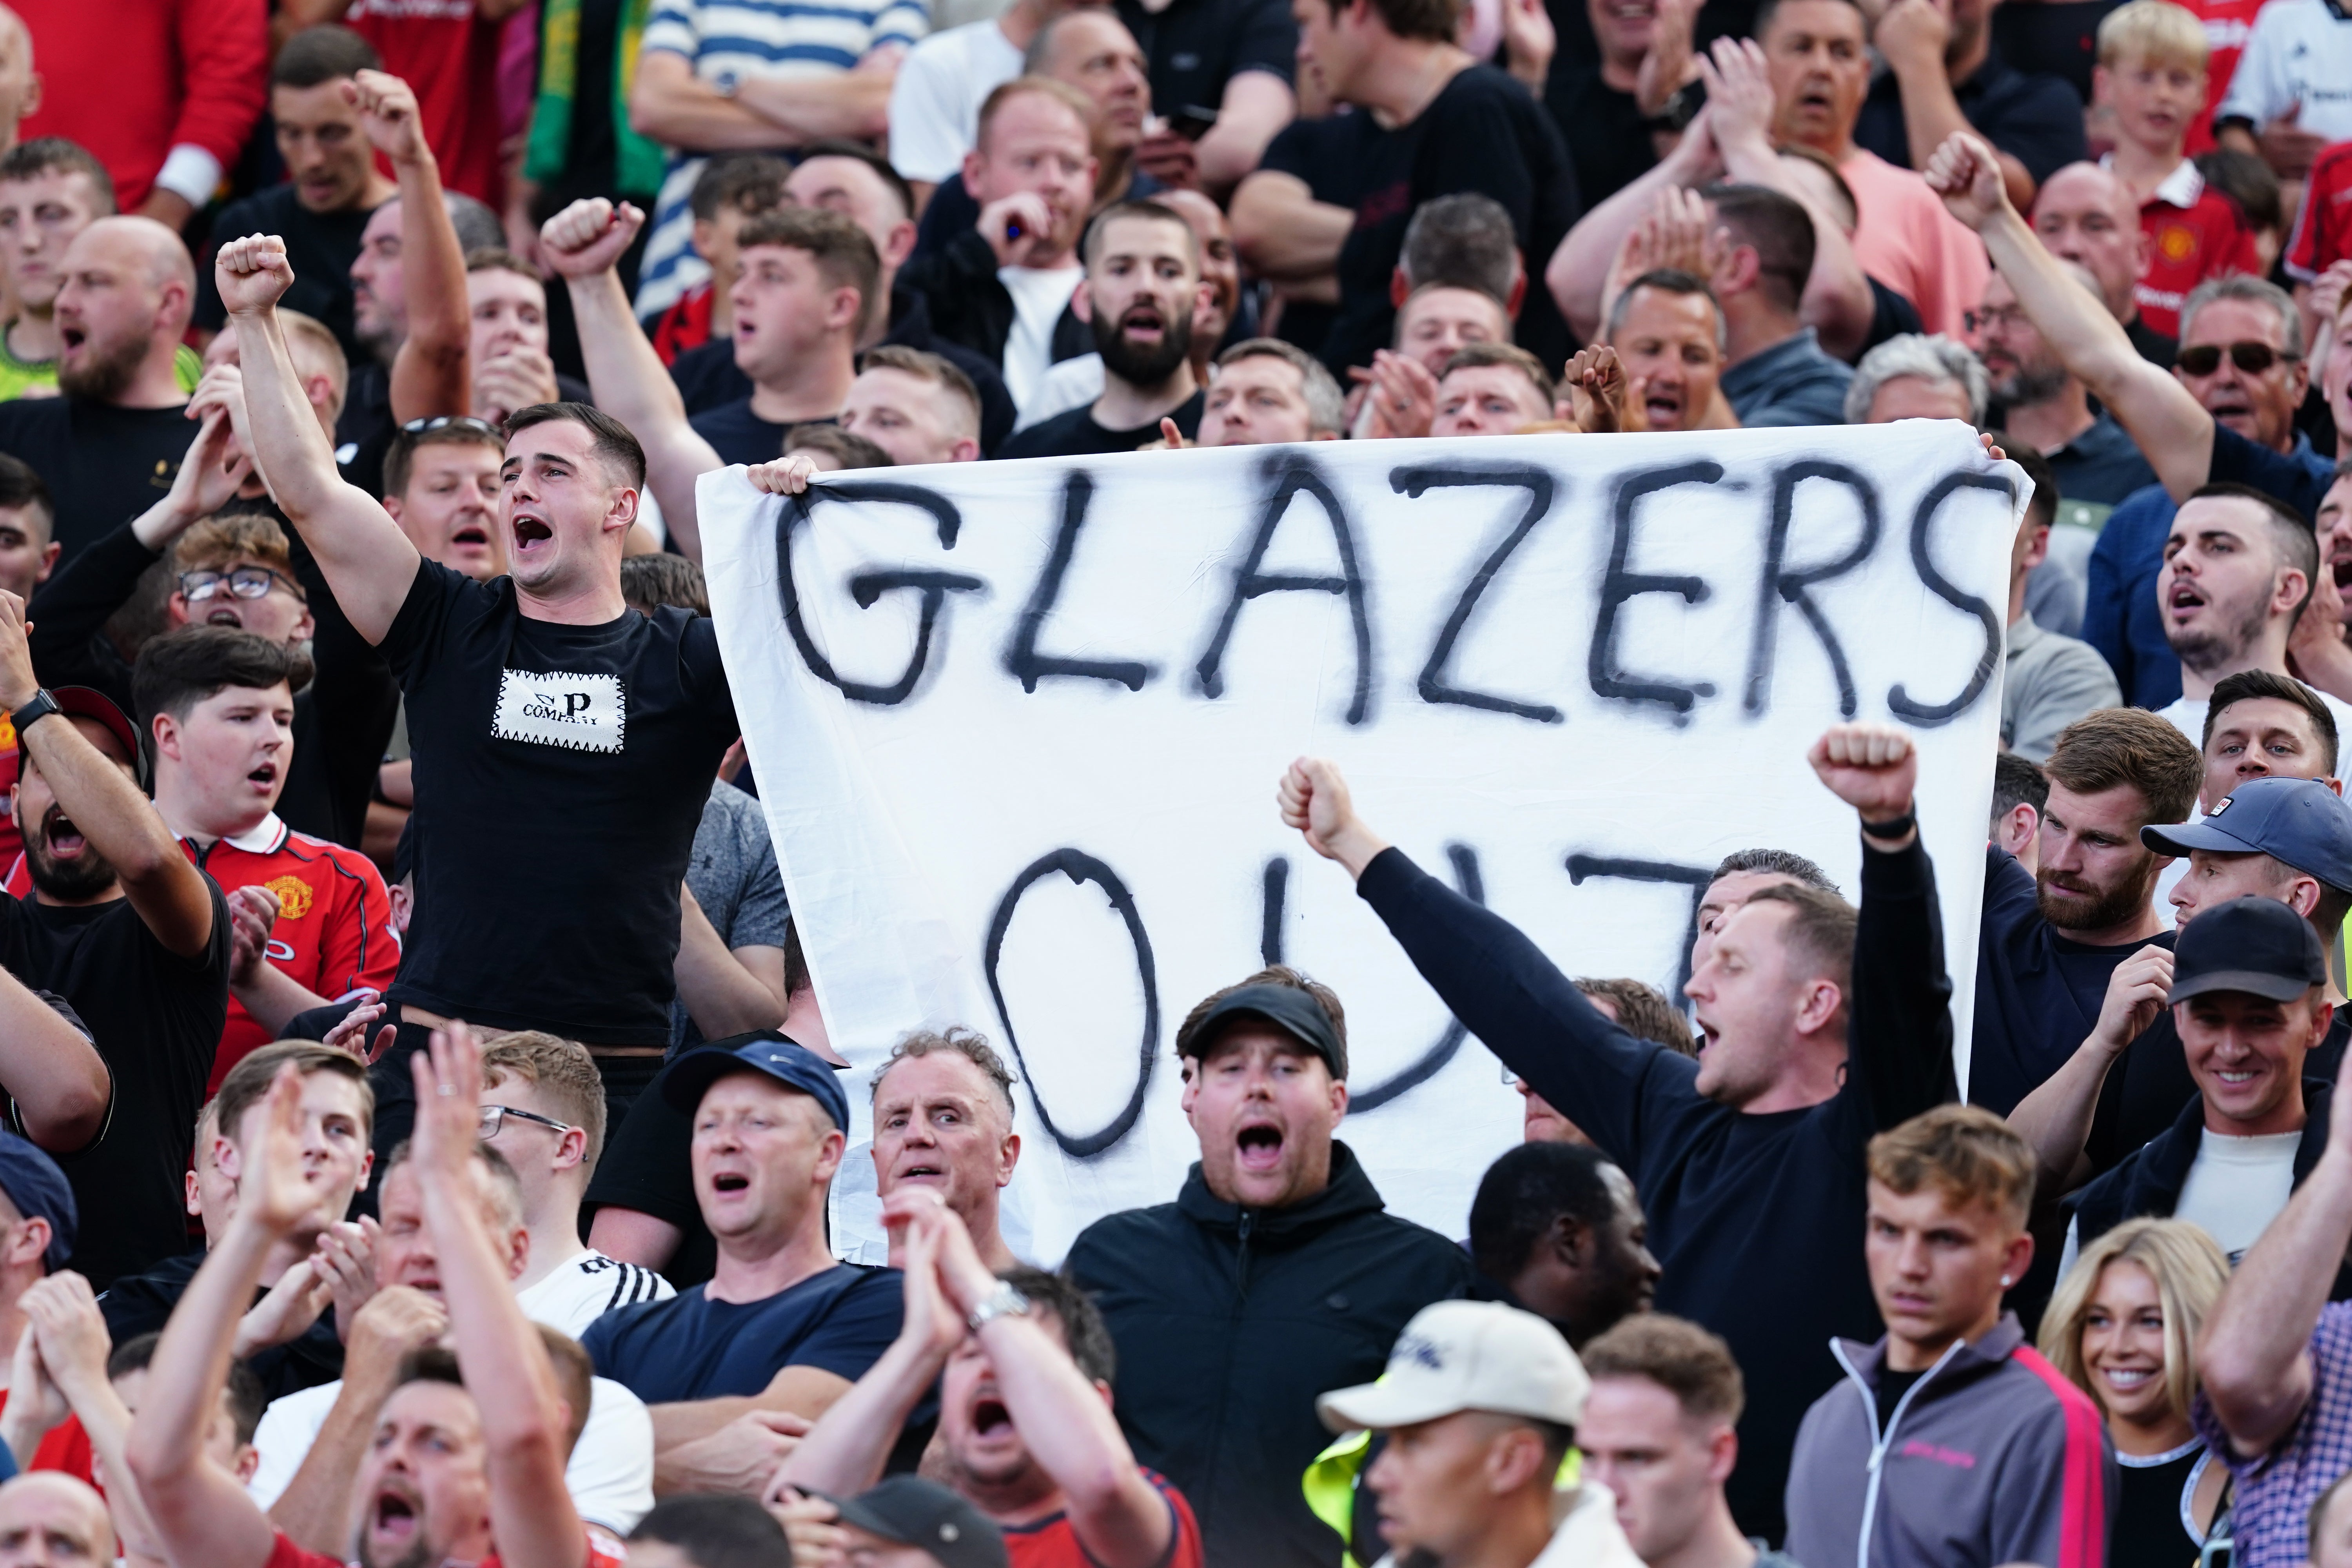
x,y
1891,315
1194,46
320,246
1074,434
1891,1386
2036,119
156,1019
364,429
561,773
2060,37
1484,133
143,1303
1611,147
1317,153
707,377
2152,345
103,465
740,435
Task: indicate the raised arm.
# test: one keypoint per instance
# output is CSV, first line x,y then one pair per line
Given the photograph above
x,y
51,1070
201,1513
170,894
74,1345
1579,268
504,1360
583,243
2171,428
2056,1117
314,1507
1256,106
2255,1356
429,375
369,563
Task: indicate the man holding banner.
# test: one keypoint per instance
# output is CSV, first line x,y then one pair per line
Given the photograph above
x,y
1823,1027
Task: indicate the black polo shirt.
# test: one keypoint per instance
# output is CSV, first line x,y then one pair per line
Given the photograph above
x,y
2036,119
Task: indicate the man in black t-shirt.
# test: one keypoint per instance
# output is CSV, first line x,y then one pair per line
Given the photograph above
x,y
1143,286
331,182
1434,122
1944,75
538,698
135,937
1229,61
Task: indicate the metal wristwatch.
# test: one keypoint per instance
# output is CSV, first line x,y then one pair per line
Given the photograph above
x,y
1005,1301
40,707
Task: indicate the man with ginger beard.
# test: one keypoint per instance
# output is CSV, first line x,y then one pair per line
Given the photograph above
x,y
1142,286
1218,1383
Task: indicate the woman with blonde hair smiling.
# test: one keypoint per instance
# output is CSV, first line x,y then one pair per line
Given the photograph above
x,y
2123,1326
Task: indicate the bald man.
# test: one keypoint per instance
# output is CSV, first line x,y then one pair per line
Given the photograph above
x,y
2084,215
49,1520
108,448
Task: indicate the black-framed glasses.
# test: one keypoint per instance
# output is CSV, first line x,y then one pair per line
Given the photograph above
x,y
416,427
2250,357
237,582
494,1117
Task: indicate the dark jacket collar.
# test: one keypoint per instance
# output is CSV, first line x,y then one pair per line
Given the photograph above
x,y
1349,1194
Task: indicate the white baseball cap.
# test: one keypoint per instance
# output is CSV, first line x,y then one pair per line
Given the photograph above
x,y
1467,1356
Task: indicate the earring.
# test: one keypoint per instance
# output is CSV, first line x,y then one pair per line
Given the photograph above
x,y
2004,1281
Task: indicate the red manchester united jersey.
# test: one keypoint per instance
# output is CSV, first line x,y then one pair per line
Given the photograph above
x,y
2193,232
2322,229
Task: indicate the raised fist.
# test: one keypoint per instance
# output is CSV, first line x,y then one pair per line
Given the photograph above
x,y
252,273
588,237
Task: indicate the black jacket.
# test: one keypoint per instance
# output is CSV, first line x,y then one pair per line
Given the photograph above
x,y
2149,1181
1230,1322
968,305
141,1303
1756,1219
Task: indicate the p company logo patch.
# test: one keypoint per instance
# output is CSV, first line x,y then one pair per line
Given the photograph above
x,y
556,708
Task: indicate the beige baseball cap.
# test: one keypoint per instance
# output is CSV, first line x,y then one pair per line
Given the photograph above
x,y
1467,1356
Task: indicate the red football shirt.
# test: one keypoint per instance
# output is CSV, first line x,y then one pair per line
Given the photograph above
x,y
2194,232
2322,229
685,325
1054,1544
2228,25
450,56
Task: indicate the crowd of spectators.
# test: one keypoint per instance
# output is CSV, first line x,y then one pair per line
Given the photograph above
x,y
358,362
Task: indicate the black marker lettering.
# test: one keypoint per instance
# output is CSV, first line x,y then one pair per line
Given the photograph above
x,y
1542,490
1695,878
1905,705
1269,934
865,587
1080,868
1620,586
1292,476
1021,660
1781,584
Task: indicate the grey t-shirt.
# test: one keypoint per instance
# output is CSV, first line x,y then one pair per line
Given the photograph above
x,y
733,874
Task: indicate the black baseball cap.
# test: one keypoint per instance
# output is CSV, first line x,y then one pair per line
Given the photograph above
x,y
786,1060
87,702
2253,944
2298,822
1287,1008
928,1517
39,1191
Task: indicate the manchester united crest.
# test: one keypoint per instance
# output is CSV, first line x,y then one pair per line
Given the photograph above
x,y
293,896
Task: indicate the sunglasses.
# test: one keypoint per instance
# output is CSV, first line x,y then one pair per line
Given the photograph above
x,y
416,427
241,583
2251,358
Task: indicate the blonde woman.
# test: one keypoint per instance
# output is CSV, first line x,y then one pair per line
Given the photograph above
x,y
2123,1325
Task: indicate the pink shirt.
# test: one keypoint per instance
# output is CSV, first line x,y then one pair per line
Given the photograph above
x,y
1909,242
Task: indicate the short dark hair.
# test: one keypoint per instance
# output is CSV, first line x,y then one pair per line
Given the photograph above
x,y
1524,1192
1084,1331
844,253
2018,780
574,1374
1778,229
2043,510
21,485
2291,537
615,443
1774,863
658,579
849,449
322,54
1694,1366
56,156
499,259
1821,927
1188,1043
1433,19
859,153
925,365
247,1084
1644,1012
245,1394
1142,208
181,669
2249,684
1475,355
2131,746
1665,280
717,1531
750,182
1461,241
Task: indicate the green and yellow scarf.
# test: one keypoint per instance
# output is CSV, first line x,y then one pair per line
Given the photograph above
x,y
640,164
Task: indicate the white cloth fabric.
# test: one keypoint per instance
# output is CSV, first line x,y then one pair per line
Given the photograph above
x,y
2237,1186
1071,383
1040,295
2299,54
1585,1533
587,1285
610,1476
935,102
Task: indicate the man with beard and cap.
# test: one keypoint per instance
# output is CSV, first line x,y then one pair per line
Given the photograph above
x,y
2051,939
2044,408
1143,286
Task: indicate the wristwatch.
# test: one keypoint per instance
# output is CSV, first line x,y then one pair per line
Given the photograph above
x,y
1005,1301
40,707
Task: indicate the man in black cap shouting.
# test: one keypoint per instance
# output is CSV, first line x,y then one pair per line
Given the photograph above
x,y
781,1327
2249,995
1275,1275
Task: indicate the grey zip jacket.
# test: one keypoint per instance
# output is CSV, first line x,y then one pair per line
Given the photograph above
x,y
1992,1457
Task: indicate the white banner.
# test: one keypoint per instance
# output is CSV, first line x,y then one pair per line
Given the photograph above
x,y
1017,728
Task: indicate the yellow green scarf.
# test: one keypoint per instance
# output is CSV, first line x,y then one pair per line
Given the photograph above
x,y
639,165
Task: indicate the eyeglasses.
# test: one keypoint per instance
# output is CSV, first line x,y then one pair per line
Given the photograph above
x,y
494,1117
416,427
239,581
1986,320
2251,358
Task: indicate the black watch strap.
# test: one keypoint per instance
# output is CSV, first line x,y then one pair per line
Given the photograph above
x,y
40,707
1894,828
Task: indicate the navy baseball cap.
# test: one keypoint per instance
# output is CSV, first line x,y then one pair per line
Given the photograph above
x,y
1287,1008
39,1191
2298,822
929,1518
2253,944
786,1060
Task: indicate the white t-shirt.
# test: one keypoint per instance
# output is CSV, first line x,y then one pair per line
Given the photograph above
x,y
935,102
2236,1186
2297,53
1070,383
610,1476
587,1285
1040,295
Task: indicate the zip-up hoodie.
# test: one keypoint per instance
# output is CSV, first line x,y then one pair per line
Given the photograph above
x,y
1992,1457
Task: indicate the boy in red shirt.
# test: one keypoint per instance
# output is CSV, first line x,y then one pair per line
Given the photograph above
x,y
313,922
2152,72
